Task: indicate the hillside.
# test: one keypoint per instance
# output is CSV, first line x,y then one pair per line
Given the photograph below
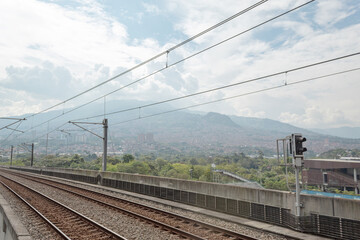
x,y
176,132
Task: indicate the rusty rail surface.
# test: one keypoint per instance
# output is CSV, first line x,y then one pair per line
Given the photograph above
x,y
64,220
182,226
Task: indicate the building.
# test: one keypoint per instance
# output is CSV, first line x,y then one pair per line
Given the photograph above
x,y
337,173
146,138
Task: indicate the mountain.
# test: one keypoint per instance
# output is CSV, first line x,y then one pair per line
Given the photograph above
x,y
344,132
268,125
221,133
144,130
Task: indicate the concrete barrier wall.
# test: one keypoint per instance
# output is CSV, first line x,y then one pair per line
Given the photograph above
x,y
10,226
261,196
329,206
327,216
344,208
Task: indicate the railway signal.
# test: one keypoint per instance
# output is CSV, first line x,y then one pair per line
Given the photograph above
x,y
294,145
298,141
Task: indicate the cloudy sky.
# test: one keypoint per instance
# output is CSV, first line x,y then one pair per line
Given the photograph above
x,y
52,50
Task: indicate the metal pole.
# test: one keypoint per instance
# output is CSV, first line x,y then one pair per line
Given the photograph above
x,y
285,149
32,155
356,181
277,150
47,140
67,144
11,154
105,124
297,203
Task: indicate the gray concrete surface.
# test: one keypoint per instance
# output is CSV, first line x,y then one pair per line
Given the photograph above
x,y
243,221
10,226
329,206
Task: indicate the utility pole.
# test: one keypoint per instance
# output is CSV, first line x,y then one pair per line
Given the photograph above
x,y
47,141
67,139
17,120
24,146
104,138
11,154
32,155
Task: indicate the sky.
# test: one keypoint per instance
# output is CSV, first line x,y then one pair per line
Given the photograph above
x,y
52,50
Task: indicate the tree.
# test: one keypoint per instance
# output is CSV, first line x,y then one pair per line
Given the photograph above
x,y
128,158
160,163
113,160
193,161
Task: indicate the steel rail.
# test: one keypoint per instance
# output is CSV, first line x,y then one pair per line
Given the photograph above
x,y
124,211
229,233
112,234
63,235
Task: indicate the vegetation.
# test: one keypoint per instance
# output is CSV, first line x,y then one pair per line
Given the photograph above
x,y
259,169
263,170
340,152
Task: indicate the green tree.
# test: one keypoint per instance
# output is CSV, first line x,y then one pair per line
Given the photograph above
x,y
128,158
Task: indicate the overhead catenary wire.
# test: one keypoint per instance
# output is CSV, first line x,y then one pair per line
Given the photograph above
x,y
156,56
51,131
13,123
12,132
215,101
173,64
216,44
228,86
239,95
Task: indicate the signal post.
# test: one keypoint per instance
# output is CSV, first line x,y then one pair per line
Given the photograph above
x,y
298,160
294,145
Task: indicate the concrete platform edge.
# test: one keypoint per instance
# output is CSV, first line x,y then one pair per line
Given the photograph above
x,y
14,228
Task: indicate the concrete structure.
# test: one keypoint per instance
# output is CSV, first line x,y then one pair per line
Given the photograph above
x,y
146,138
10,226
244,182
327,216
337,173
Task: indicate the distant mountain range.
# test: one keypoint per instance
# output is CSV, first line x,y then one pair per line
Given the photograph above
x,y
178,132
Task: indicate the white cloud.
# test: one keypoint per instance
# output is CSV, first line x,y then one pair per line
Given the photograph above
x,y
300,43
315,116
90,46
332,11
151,8
60,35
46,81
14,102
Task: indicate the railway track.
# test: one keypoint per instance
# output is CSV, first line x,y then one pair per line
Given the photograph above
x,y
68,223
176,224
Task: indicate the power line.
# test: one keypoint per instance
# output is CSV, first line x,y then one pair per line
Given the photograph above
x,y
215,101
173,64
55,129
239,95
227,86
10,124
156,56
12,132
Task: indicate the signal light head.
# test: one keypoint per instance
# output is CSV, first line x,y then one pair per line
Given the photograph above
x,y
298,145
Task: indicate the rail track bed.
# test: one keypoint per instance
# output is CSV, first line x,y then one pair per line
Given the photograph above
x,y
173,224
68,223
